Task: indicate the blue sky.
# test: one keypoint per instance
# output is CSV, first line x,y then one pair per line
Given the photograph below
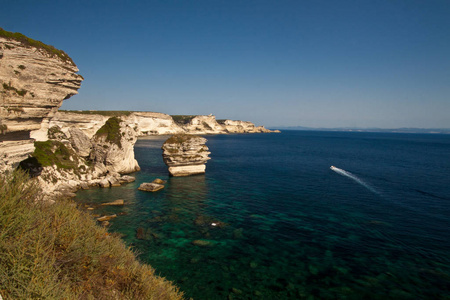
x,y
277,63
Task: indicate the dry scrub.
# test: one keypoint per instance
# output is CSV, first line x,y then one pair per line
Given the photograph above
x,y
55,251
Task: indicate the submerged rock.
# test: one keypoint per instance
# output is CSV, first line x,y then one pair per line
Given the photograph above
x,y
158,181
202,243
185,155
106,218
118,202
126,179
150,187
146,234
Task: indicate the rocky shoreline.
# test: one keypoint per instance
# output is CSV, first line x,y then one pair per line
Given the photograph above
x,y
71,150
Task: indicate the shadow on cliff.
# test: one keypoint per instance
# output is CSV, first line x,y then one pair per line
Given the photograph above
x,y
32,166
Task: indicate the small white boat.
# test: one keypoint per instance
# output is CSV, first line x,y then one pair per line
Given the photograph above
x,y
333,168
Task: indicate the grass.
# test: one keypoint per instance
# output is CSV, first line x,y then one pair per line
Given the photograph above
x,y
26,41
56,251
111,130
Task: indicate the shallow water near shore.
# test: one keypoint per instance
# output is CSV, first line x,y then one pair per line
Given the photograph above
x,y
271,220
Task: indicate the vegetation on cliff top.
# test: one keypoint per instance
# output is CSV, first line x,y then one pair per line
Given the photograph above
x,y
111,130
179,138
28,42
108,113
182,119
56,251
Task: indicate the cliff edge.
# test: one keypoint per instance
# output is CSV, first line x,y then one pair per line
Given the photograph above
x,y
35,78
151,123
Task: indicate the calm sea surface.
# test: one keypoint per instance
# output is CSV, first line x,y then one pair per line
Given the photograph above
x,y
288,226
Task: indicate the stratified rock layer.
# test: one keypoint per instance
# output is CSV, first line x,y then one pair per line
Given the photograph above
x,y
185,155
151,123
33,84
117,153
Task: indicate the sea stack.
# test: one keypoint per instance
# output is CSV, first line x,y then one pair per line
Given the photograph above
x,y
185,154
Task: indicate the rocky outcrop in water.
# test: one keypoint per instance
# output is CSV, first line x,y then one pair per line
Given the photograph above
x,y
185,155
34,80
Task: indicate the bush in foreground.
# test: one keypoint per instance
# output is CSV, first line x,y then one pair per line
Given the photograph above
x,y
55,251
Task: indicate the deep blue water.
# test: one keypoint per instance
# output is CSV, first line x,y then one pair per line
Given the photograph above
x,y
289,227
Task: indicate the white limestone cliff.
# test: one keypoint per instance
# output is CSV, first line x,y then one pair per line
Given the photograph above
x,y
116,154
34,81
73,161
151,123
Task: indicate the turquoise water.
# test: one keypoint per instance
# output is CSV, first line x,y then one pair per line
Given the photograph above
x,y
288,226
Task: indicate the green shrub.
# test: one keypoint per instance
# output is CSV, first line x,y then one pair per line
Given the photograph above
x,y
111,130
182,119
55,251
51,153
22,67
8,87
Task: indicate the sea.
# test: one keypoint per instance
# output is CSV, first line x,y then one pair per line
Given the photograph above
x,y
295,215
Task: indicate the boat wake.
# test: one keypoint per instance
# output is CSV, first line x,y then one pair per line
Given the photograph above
x,y
355,178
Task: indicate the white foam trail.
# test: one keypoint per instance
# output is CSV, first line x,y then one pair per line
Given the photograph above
x,y
355,178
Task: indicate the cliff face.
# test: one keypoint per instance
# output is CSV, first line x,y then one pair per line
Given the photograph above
x,y
144,123
151,123
113,147
33,83
72,160
243,127
185,155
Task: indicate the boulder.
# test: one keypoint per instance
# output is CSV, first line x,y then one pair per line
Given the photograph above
x,y
150,187
106,218
158,181
104,183
114,181
126,179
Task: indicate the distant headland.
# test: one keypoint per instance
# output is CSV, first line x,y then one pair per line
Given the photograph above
x,y
374,129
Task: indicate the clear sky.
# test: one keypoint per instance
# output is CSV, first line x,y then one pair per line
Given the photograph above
x,y
381,63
